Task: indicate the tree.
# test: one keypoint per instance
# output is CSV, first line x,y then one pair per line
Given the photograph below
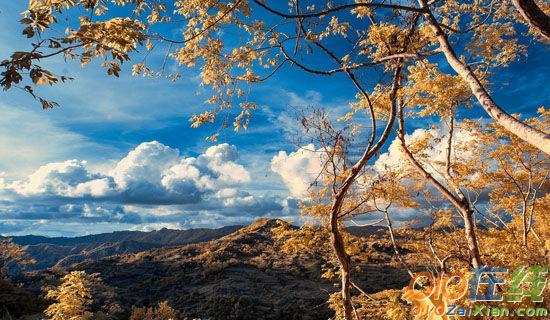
x,y
11,254
388,190
267,43
162,312
486,161
334,202
464,161
73,297
525,132
517,179
451,190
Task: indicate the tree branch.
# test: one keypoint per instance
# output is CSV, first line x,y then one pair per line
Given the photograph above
x,y
338,8
534,16
536,138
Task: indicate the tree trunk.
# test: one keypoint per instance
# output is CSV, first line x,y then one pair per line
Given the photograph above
x,y
343,257
534,16
536,138
527,225
461,204
337,240
470,233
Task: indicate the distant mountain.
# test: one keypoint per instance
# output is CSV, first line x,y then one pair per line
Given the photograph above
x,y
236,273
59,252
242,275
164,237
63,251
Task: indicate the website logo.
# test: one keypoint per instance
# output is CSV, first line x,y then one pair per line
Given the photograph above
x,y
437,297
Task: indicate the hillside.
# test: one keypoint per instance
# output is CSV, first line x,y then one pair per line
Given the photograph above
x,y
63,251
243,275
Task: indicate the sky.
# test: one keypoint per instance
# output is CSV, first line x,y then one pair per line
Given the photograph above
x,y
119,153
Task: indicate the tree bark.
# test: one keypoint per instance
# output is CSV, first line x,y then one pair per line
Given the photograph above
x,y
371,149
536,138
534,16
337,241
465,207
470,234
343,257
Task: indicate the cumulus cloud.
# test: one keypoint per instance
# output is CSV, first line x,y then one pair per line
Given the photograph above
x,y
434,163
70,178
152,173
299,169
144,165
394,157
152,185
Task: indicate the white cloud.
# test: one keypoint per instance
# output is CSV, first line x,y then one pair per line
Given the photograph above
x,y
214,169
298,169
151,173
97,188
310,98
394,158
146,163
68,179
152,185
147,227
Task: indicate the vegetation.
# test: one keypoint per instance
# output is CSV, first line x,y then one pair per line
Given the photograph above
x,y
162,312
12,255
443,169
432,166
73,297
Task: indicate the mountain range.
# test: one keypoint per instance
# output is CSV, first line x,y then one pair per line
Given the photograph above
x,y
60,252
237,272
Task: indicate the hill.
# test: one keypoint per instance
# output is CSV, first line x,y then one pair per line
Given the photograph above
x,y
243,275
63,251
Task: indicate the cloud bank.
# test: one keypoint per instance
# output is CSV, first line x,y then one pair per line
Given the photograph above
x,y
152,185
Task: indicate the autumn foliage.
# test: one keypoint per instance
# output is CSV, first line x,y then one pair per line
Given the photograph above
x,y
482,186
73,297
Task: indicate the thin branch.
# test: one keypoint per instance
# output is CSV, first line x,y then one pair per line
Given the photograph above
x,y
338,8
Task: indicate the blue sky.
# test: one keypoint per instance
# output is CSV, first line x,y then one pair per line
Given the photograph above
x,y
119,152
